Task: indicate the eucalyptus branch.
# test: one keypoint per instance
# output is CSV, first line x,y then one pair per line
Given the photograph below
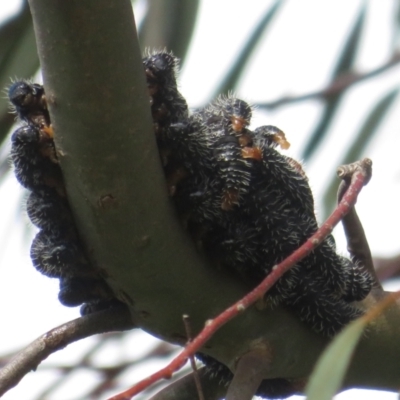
x,y
112,319
250,372
357,243
387,268
339,85
185,388
360,175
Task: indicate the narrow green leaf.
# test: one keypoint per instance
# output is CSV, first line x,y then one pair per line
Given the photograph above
x,y
396,28
6,120
349,51
344,64
321,130
169,24
12,28
327,378
4,168
242,59
363,137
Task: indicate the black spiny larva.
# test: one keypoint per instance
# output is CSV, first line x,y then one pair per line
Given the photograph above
x,y
56,255
167,104
75,291
28,101
215,141
32,154
56,251
226,122
49,211
272,217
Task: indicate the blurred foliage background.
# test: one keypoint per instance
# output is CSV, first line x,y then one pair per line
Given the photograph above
x,y
172,24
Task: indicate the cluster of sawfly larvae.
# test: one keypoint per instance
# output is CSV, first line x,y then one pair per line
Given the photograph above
x,y
246,205
56,250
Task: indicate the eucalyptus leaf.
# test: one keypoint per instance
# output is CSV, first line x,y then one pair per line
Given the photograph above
x,y
18,60
344,64
238,66
169,24
368,130
331,368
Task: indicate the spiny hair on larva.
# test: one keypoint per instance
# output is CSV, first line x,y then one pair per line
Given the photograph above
x,y
28,143
26,135
360,281
26,98
9,88
55,256
48,211
230,107
24,93
163,65
324,313
55,251
277,170
167,104
99,304
75,291
188,139
33,176
271,136
289,235
213,159
25,153
207,137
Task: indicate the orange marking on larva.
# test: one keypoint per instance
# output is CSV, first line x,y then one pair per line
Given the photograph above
x,y
238,123
252,152
229,199
48,129
280,138
149,73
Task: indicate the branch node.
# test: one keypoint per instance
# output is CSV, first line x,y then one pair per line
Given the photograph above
x,y
251,369
364,166
357,243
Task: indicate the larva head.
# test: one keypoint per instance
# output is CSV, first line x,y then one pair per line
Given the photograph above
x,y
26,97
161,67
237,111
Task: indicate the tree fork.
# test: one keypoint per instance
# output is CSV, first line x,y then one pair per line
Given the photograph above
x,y
97,97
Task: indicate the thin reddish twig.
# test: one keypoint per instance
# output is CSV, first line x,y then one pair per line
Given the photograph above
x,y
360,173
